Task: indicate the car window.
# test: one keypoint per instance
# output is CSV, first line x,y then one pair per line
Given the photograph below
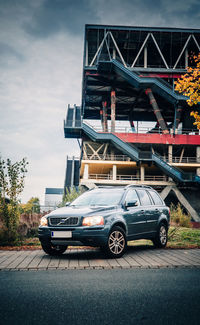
x,y
99,197
156,199
131,196
144,197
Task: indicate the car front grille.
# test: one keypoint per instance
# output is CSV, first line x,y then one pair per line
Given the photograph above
x,y
70,221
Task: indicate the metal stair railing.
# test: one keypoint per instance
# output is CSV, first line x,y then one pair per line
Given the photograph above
x,y
173,172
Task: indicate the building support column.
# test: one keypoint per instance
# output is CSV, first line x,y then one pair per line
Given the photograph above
x,y
177,118
145,57
142,173
114,172
72,173
113,109
170,153
157,111
198,160
86,172
104,117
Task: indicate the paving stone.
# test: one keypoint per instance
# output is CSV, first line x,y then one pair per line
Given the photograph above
x,y
10,259
44,263
113,263
64,261
36,260
29,257
131,261
188,259
17,261
148,259
54,262
161,261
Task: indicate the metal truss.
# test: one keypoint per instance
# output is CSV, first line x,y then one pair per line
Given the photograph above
x,y
109,37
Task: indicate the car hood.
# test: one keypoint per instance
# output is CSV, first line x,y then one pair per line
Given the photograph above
x,y
80,211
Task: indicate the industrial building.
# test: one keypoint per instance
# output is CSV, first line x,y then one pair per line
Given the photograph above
x,y
133,128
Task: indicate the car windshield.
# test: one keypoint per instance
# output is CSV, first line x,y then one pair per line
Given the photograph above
x,y
99,198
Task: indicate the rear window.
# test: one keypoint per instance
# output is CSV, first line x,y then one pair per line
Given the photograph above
x,y
156,199
144,197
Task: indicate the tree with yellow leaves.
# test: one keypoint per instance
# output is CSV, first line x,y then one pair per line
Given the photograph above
x,y
189,85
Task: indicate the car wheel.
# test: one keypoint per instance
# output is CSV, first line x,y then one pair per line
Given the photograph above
x,y
53,250
160,241
117,243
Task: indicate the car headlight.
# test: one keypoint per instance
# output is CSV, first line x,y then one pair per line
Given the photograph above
x,y
43,221
93,221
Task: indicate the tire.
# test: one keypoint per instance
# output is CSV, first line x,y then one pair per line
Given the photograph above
x,y
117,243
160,240
53,250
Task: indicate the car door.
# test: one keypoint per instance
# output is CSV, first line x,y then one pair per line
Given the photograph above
x,y
156,211
134,216
146,207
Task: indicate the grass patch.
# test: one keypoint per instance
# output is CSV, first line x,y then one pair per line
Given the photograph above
x,y
179,237
184,237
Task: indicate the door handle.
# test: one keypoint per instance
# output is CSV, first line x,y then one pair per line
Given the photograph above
x,y
142,211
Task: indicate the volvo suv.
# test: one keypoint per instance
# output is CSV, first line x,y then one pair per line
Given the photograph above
x,y
107,218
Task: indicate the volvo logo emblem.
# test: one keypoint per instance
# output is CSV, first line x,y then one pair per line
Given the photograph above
x,y
62,221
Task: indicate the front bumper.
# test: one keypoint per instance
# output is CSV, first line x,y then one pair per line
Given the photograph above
x,y
92,236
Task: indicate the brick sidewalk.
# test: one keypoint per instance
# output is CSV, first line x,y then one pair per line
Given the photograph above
x,y
82,258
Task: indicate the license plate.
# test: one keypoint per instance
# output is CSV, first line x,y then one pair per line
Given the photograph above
x,y
61,234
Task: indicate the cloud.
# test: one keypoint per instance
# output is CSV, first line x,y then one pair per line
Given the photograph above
x,y
60,15
164,13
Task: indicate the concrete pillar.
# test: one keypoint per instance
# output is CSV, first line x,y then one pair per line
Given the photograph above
x,y
170,153
113,108
198,160
198,154
142,173
114,53
145,57
86,172
104,117
112,155
114,172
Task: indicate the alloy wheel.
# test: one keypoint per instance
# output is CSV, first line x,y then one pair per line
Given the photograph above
x,y
116,242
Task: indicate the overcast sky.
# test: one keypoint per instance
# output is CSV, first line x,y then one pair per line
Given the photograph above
x,y
41,51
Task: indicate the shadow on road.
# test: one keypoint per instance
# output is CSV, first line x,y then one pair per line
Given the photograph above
x,y
96,253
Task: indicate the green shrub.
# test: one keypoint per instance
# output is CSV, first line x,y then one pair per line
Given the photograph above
x,y
179,217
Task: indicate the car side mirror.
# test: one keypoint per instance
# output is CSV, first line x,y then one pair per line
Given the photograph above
x,y
133,203
67,204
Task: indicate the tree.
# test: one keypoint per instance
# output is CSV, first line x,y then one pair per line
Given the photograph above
x,y
12,176
70,195
189,85
32,206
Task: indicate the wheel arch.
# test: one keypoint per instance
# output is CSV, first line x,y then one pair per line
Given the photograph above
x,y
163,221
120,224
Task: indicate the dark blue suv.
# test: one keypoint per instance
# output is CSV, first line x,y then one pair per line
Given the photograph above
x,y
108,218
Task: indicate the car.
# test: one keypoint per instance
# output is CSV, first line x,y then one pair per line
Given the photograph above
x,y
107,218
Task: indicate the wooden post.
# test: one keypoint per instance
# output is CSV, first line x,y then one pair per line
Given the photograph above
x,y
113,108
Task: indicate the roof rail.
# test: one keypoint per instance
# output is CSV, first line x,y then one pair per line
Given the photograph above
x,y
143,186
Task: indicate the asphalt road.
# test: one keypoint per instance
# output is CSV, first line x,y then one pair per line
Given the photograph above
x,y
117,296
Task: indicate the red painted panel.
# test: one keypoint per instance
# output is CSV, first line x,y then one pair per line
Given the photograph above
x,y
160,138
161,75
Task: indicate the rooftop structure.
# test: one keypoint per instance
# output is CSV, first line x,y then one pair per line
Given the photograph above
x,y
145,134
